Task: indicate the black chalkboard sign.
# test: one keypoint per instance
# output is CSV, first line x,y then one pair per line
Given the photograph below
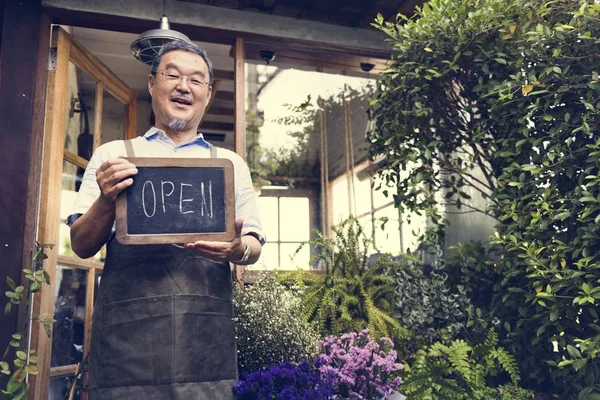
x,y
177,200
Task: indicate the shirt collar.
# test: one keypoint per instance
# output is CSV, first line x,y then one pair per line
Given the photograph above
x,y
158,134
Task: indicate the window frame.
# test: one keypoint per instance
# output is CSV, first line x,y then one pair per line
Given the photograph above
x,y
308,193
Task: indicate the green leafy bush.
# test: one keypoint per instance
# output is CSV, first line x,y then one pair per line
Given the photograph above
x,y
352,294
425,303
269,326
502,97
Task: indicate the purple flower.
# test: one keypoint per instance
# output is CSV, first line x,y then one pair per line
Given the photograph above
x,y
286,381
360,367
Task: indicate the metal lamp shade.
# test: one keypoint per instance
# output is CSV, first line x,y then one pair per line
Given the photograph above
x,y
149,43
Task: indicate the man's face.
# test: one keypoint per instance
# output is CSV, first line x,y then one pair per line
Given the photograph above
x,y
179,91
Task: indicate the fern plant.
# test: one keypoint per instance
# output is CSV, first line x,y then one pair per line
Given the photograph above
x,y
460,371
352,294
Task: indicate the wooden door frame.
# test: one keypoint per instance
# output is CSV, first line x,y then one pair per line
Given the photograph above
x,y
66,51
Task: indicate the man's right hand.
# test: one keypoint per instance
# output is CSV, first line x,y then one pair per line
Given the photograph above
x,y
113,177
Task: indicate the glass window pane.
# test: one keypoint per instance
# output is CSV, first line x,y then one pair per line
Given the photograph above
x,y
379,198
292,260
69,313
269,217
295,219
81,95
366,222
339,199
269,258
67,203
97,280
387,240
81,100
413,226
113,118
60,388
363,196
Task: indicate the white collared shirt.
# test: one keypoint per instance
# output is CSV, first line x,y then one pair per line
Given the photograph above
x,y
155,143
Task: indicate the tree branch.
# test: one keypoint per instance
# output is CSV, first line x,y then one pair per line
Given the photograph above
x,y
469,183
472,208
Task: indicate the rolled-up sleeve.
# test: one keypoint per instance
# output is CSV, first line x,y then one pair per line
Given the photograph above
x,y
245,200
89,190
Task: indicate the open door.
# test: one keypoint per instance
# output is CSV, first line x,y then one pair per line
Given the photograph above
x,y
86,105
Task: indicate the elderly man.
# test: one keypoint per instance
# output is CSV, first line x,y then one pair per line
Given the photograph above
x,y
162,325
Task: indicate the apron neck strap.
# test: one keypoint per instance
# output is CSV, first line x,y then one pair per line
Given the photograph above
x,y
129,149
213,151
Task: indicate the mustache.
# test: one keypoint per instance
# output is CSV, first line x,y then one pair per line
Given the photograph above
x,y
184,99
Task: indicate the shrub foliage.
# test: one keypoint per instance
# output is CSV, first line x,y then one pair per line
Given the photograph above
x,y
269,326
426,303
502,96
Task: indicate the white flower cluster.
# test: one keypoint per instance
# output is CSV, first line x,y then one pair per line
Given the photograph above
x,y
269,326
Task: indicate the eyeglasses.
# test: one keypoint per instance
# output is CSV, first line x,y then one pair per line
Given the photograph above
x,y
172,77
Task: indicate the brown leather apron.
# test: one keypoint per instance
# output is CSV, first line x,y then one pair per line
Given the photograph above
x,y
162,326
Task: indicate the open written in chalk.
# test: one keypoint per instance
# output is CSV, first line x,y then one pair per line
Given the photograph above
x,y
175,200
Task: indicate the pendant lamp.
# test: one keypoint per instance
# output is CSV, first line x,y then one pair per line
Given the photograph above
x,y
149,43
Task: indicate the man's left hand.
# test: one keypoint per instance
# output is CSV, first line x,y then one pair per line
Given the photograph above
x,y
221,251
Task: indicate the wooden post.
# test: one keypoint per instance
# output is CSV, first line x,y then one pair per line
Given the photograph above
x,y
24,47
97,132
131,119
240,99
240,117
50,204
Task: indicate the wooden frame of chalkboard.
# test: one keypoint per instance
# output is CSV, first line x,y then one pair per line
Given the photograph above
x,y
177,200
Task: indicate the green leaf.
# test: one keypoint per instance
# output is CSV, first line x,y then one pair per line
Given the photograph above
x,y
541,330
585,392
35,287
31,369
586,288
579,364
10,283
46,277
573,351
14,383
526,89
48,330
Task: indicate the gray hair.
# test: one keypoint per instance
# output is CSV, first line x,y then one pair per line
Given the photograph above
x,y
186,46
